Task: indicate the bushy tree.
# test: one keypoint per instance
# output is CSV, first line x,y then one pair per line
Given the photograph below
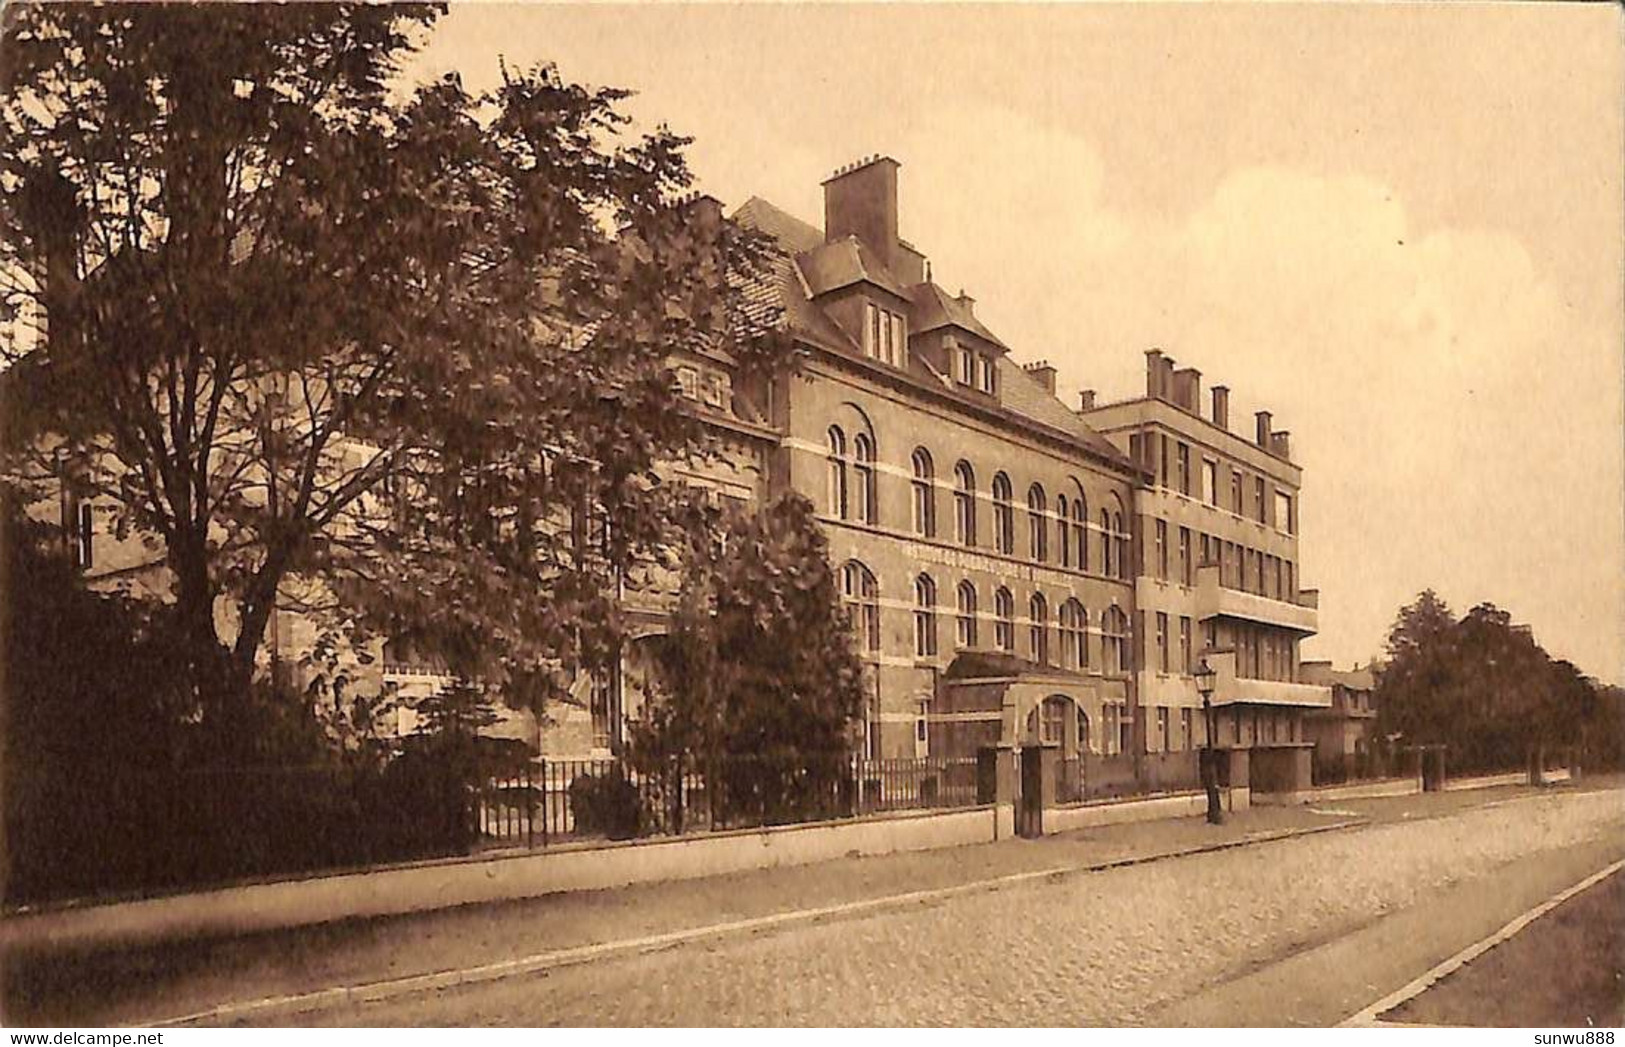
x,y
1480,685
409,346
759,681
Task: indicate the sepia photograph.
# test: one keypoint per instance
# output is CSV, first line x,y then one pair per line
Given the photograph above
x,y
812,515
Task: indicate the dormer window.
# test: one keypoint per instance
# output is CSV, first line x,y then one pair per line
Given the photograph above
x,y
884,337
984,373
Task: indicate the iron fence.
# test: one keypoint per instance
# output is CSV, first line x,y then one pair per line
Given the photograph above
x,y
550,801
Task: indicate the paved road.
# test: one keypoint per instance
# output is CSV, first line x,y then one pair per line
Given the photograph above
x,y
1199,937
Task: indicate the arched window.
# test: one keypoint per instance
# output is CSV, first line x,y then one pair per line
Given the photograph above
x,y
1037,524
1080,532
1038,628
925,494
1074,638
965,623
1062,542
863,468
1106,557
1113,624
964,504
861,596
1122,545
1083,731
1004,620
1004,518
837,472
925,617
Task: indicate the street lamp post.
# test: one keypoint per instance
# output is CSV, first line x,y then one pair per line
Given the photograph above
x,y
1205,678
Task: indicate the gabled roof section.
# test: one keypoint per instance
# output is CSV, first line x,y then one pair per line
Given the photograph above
x,y
935,308
843,263
1021,393
794,235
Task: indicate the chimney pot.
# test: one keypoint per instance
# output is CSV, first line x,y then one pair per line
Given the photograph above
x,y
1086,400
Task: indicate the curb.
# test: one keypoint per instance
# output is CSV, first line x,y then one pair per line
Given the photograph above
x,y
372,992
1370,1016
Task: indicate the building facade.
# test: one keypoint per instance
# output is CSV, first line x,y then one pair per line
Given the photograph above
x,y
1217,566
1016,570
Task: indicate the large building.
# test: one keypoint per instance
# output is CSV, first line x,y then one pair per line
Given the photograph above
x,y
980,527
1016,570
1217,575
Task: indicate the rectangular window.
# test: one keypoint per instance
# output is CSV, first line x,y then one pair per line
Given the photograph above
x,y
86,536
1186,663
1260,505
1184,468
899,341
1163,475
1210,481
1162,641
871,329
967,365
1162,728
1185,730
1162,549
1187,571
1235,492
599,706
984,376
1283,513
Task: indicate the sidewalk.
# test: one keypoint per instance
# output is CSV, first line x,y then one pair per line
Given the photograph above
x,y
149,984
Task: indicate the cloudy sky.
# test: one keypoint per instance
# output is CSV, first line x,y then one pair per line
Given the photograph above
x,y
1398,227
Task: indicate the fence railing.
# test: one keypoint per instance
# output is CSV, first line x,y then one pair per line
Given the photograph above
x,y
550,801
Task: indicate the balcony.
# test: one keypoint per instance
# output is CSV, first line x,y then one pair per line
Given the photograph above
x,y
1229,689
1300,615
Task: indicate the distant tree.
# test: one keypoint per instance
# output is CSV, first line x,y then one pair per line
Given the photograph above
x,y
760,676
1480,685
1412,683
297,327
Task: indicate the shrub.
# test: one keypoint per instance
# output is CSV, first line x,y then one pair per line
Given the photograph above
x,y
607,804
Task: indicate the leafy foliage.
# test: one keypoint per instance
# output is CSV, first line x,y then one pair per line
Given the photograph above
x,y
406,347
759,678
1481,686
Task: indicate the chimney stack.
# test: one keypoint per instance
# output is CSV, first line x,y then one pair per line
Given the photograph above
x,y
1281,444
1153,373
1188,389
861,200
1263,430
1044,372
1086,400
1221,406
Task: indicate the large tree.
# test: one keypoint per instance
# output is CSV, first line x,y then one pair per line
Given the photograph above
x,y
1481,685
405,347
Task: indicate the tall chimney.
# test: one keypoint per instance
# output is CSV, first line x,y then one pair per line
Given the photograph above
x,y
1086,399
861,200
1167,377
1263,431
1221,406
1188,389
1153,373
1281,444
